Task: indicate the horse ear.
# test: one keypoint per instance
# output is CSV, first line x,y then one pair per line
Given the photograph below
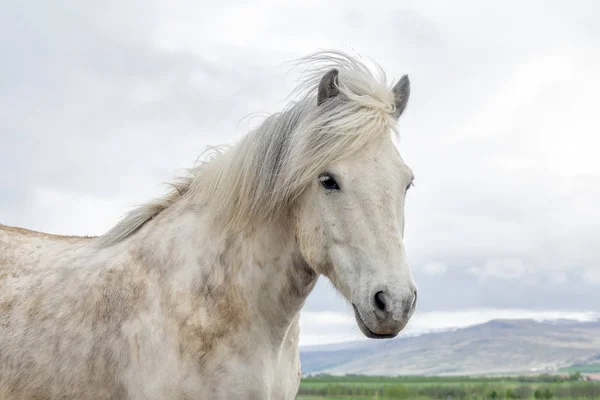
x,y
401,94
328,87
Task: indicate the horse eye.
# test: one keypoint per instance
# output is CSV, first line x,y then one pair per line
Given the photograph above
x,y
328,182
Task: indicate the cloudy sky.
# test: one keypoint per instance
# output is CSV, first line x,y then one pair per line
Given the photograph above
x,y
102,102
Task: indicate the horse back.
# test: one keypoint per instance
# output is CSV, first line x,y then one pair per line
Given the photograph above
x,y
47,327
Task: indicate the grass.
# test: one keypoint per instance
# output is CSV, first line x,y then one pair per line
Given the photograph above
x,y
424,388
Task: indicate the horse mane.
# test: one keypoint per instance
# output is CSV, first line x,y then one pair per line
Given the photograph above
x,y
255,180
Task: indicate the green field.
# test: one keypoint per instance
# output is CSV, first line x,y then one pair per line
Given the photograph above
x,y
529,387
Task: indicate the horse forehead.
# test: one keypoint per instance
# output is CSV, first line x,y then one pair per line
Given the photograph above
x,y
384,164
391,162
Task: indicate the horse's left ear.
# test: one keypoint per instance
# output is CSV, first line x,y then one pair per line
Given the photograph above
x,y
401,94
328,87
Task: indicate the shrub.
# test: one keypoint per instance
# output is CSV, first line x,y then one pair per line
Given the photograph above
x,y
522,392
396,392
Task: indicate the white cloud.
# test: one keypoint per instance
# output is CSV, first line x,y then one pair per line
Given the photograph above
x,y
435,268
328,327
501,269
88,215
558,277
592,275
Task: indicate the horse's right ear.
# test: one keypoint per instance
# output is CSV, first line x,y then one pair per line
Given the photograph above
x,y
328,87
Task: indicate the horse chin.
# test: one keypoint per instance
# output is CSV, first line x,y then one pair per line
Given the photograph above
x,y
368,332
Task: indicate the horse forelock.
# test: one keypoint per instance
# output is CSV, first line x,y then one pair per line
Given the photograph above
x,y
257,179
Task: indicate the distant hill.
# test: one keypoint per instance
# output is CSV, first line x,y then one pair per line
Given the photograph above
x,y
496,347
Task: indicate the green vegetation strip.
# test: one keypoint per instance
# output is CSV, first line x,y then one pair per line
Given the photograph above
x,y
423,388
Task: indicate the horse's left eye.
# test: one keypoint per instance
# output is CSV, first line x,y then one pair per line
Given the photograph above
x,y
328,182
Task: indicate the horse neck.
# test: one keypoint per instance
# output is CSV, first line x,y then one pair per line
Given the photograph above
x,y
260,270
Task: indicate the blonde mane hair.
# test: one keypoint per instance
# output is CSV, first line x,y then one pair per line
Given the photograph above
x,y
257,179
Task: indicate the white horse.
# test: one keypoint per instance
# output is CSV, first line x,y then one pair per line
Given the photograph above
x,y
197,295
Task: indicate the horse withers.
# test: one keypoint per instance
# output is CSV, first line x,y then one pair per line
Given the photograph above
x,y
197,295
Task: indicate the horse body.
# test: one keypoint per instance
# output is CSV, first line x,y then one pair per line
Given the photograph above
x,y
131,322
197,295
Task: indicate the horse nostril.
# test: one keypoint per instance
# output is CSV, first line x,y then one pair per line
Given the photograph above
x,y
380,301
410,304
